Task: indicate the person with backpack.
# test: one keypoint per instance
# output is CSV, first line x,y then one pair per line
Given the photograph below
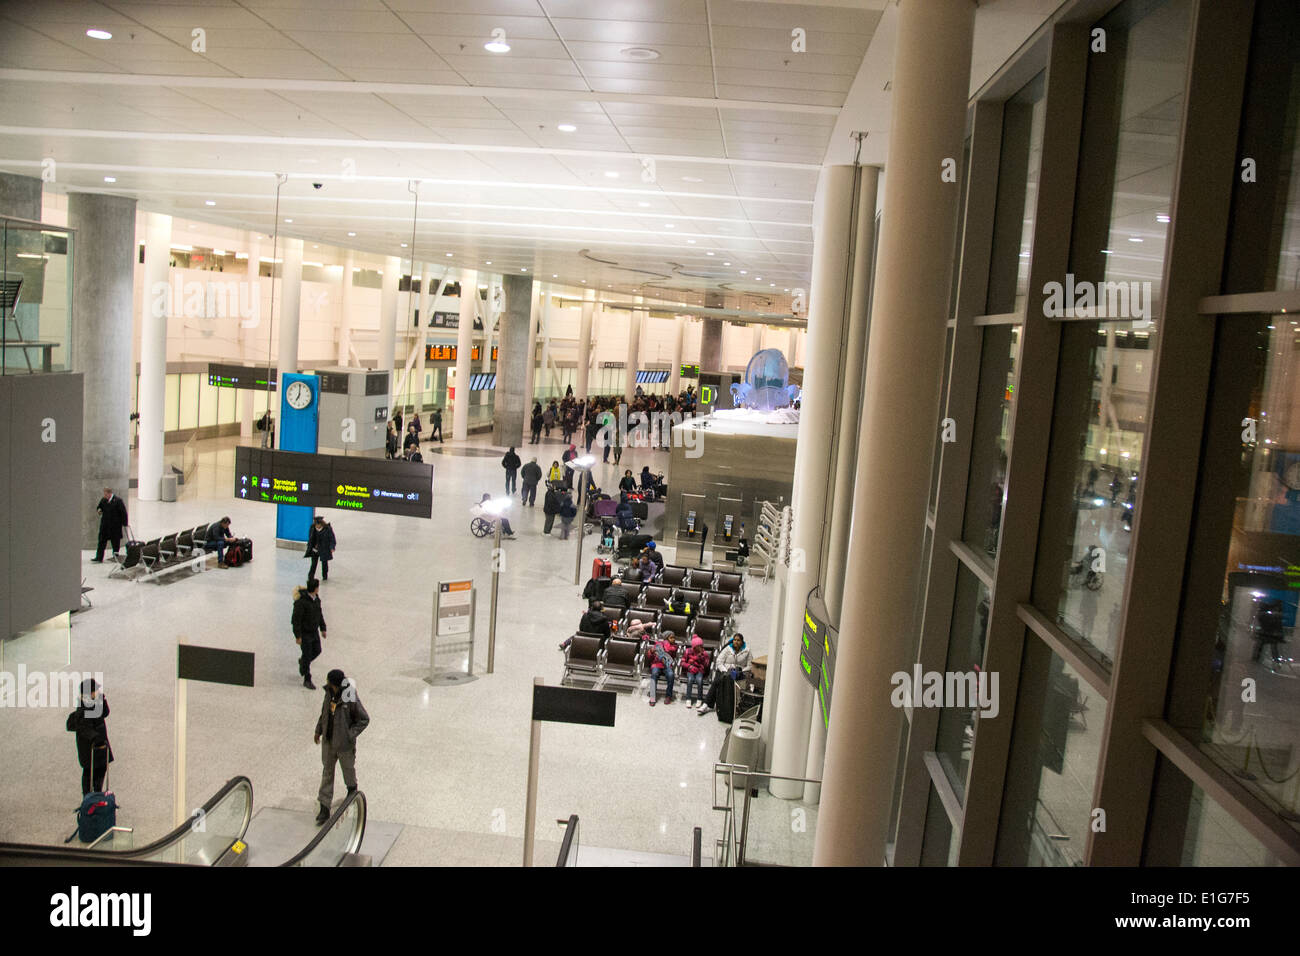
x,y
90,723
342,719
220,540
320,547
510,462
531,475
308,627
568,511
551,506
662,658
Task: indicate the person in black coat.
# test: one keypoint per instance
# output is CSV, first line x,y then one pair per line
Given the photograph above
x,y
532,476
320,547
112,520
536,424
550,508
510,462
412,440
308,627
89,723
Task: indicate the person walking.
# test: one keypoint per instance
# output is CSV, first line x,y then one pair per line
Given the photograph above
x,y
510,462
548,420
342,719
435,424
320,547
568,511
90,723
570,453
419,427
531,475
397,422
551,506
308,627
112,519
536,424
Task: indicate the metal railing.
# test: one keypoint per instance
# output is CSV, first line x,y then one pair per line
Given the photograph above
x,y
730,848
570,844
339,838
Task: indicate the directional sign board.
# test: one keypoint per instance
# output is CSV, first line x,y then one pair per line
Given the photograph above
x,y
215,665
455,605
334,481
240,376
574,705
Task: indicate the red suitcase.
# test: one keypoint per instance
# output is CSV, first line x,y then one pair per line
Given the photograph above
x,y
601,568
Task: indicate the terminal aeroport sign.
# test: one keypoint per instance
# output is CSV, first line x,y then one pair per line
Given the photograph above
x,y
817,652
334,481
239,376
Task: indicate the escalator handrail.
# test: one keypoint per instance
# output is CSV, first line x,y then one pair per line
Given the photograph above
x,y
80,854
354,841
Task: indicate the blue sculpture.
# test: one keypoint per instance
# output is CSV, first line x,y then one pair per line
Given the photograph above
x,y
767,383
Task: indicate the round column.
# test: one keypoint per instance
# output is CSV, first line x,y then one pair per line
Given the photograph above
x,y
464,342
633,351
153,353
388,313
675,373
290,313
584,343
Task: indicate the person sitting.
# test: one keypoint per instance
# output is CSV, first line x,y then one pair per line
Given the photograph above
x,y
655,557
593,621
645,570
506,530
627,483
616,595
624,515
648,481
733,661
678,605
219,539
695,664
662,658
412,440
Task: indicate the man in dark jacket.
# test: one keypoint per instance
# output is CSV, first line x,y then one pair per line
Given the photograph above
x,y
510,462
89,723
595,621
219,539
616,595
341,721
320,547
308,627
550,507
112,519
435,424
531,475
535,425
412,440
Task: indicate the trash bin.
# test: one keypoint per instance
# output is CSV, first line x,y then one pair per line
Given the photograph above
x,y
167,488
742,749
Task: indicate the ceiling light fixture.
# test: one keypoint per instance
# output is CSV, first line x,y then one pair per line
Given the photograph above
x,y
567,128
669,225
523,269
610,174
489,262
708,253
1136,239
726,263
644,205
690,242
99,34
743,272
1162,218
403,245
351,233
110,179
692,179
640,53
497,44
448,255
208,202
288,220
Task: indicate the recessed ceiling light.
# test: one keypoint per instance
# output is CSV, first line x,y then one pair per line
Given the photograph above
x,y
669,225
708,253
726,263
772,284
497,46
555,275
758,278
110,179
288,220
351,233
610,174
1162,218
1135,239
567,128
448,255
523,270
208,202
1107,252
690,241
99,34
743,272
403,245
692,179
489,262
644,205
640,53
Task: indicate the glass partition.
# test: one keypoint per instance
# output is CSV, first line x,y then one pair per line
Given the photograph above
x,y
35,297
341,835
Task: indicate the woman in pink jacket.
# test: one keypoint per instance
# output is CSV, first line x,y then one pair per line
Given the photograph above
x,y
695,664
662,658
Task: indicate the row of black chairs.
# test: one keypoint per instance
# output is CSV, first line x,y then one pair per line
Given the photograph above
x,y
618,659
167,553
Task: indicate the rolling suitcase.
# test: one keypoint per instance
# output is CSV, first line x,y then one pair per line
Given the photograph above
x,y
601,568
726,702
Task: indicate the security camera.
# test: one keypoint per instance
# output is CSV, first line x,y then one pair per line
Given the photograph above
x,y
317,185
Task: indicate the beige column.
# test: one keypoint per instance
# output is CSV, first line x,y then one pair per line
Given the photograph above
x,y
584,343
900,409
675,374
249,330
288,313
633,351
388,313
464,342
153,352
345,309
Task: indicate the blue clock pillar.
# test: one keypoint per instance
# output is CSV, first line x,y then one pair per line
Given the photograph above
x,y
298,427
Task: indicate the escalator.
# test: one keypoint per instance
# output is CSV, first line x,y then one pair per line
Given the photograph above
x,y
214,838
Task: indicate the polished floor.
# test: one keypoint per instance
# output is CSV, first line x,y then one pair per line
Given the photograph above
x,y
447,764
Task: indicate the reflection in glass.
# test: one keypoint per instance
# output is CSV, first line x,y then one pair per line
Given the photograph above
x,y
970,621
1023,120
986,489
35,297
943,404
939,843
1191,829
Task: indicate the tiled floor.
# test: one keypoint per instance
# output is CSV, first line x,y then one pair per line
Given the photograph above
x,y
444,762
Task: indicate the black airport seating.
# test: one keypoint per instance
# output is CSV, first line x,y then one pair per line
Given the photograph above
x,y
719,604
691,596
612,614
167,548
674,576
656,596
731,583
622,660
711,630
180,549
582,656
185,541
679,624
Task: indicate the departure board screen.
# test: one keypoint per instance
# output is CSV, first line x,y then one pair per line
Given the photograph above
x,y
240,376
817,652
334,481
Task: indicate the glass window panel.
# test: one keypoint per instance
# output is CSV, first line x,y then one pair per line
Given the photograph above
x,y
1192,829
1023,119
227,405
1103,391
189,401
208,397
955,278
943,405
939,843
970,621
173,407
1053,768
1264,241
986,489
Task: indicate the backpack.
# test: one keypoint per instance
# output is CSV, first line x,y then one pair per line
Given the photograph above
x,y
234,555
95,817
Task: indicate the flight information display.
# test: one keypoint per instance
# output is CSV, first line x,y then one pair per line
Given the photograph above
x,y
240,376
690,371
817,652
484,381
651,376
334,481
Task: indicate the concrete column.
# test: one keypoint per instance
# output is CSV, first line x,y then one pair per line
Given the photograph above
x,y
388,312
675,374
792,348
633,351
904,366
846,447
20,197
511,404
464,342
427,288
539,302
756,339
584,344
153,353
248,335
289,315
814,462
345,310
103,288
711,345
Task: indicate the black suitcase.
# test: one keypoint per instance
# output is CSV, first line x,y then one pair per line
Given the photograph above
x,y
726,701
